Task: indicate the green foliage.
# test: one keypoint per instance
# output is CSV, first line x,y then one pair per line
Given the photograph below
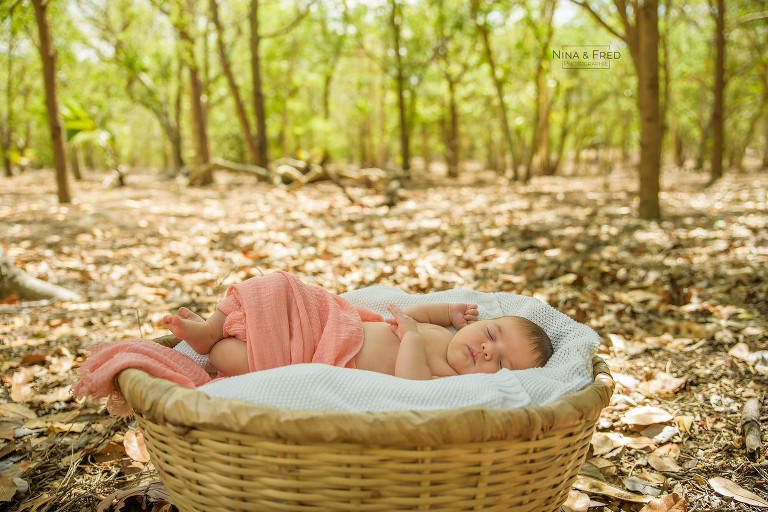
x,y
122,61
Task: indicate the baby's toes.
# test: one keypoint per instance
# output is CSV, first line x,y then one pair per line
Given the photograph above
x,y
187,314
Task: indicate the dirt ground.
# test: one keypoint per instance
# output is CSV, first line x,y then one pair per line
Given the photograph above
x,y
681,305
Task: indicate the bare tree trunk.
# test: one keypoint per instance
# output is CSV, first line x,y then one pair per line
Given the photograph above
x,y
650,121
173,130
679,148
258,93
765,136
452,145
290,89
16,282
510,146
234,90
201,132
565,130
6,128
701,156
718,134
538,156
395,18
642,37
74,161
48,56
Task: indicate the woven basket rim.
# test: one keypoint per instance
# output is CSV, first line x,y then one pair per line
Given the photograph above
x,y
164,402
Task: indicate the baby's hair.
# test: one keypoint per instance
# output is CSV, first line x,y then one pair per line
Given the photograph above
x,y
540,342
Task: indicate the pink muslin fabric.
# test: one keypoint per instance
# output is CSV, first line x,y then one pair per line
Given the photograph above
x,y
285,321
282,320
106,361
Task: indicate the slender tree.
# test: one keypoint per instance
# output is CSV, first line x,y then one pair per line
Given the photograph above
x,y
7,124
234,90
498,82
718,135
257,37
395,21
140,85
544,30
641,33
55,125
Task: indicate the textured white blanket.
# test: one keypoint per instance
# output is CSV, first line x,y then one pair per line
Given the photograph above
x,y
319,387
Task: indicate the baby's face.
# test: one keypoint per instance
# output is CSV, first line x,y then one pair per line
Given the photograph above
x,y
490,345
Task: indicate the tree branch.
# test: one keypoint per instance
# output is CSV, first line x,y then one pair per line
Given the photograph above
x,y
749,17
290,26
597,17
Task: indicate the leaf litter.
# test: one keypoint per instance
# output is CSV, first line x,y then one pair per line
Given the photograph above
x,y
681,305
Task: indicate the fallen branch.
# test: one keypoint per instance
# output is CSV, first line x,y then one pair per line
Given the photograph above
x,y
296,173
16,282
220,163
750,426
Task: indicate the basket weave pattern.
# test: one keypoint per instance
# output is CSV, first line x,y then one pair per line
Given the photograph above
x,y
209,471
521,460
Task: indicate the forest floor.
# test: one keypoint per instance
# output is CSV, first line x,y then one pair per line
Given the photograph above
x,y
681,306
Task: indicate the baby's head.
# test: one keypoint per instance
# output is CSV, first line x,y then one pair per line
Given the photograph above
x,y
541,345
487,346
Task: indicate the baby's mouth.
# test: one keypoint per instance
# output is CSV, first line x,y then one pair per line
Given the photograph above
x,y
472,354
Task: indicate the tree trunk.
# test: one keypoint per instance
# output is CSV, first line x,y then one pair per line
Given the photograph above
x,y
201,132
701,156
647,63
765,137
55,125
405,139
290,89
234,90
173,131
538,156
258,93
564,132
74,160
6,129
452,145
718,135
679,148
16,282
510,146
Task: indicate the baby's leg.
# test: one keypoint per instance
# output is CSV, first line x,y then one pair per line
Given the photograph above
x,y
230,356
201,335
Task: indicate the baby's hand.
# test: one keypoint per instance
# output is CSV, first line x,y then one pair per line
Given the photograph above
x,y
401,323
463,314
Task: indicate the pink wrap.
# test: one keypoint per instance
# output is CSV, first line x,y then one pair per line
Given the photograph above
x,y
106,361
285,321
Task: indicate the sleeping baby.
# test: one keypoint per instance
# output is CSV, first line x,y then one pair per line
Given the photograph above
x,y
277,320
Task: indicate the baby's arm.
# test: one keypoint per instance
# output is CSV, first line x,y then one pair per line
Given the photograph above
x,y
458,315
411,360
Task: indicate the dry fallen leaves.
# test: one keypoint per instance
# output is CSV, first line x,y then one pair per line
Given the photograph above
x,y
135,446
646,415
576,502
731,489
534,240
669,503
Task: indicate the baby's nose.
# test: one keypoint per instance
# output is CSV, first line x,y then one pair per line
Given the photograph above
x,y
487,351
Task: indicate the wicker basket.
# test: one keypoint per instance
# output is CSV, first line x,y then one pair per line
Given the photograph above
x,y
223,454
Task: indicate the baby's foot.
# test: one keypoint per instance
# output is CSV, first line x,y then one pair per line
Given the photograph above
x,y
193,329
187,314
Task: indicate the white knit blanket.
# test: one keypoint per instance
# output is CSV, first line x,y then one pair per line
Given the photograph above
x,y
322,387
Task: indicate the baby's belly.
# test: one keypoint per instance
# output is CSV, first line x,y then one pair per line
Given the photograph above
x,y
379,352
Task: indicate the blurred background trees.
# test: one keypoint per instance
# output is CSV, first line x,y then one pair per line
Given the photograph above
x,y
391,84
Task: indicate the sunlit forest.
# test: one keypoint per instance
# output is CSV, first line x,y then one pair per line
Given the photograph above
x,y
609,158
